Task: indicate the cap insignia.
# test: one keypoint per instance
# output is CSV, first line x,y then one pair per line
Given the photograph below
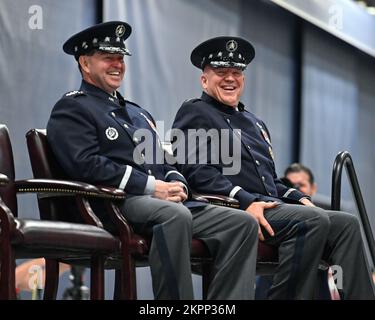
x,y
231,45
120,30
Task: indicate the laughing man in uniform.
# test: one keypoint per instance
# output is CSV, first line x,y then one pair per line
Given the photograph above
x,y
287,218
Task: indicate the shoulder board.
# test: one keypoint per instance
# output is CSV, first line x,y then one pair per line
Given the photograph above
x,y
193,100
74,94
133,103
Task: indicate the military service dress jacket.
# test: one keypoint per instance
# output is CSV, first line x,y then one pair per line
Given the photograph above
x,y
94,137
255,178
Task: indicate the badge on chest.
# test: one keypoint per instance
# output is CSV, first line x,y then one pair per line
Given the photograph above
x,y
111,133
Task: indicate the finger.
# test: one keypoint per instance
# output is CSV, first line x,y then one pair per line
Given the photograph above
x,y
175,189
175,184
269,205
174,199
260,235
264,223
181,185
183,196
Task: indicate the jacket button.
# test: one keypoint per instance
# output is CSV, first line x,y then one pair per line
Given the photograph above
x,y
263,178
113,114
135,139
228,120
249,147
142,155
149,172
257,162
126,126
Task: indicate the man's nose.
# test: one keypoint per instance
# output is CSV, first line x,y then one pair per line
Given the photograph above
x,y
117,63
229,77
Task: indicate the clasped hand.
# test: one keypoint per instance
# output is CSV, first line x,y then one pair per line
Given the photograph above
x,y
171,191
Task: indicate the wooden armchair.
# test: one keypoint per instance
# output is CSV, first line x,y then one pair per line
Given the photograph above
x,y
134,247
52,240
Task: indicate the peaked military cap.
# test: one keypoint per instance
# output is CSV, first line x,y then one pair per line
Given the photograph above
x,y
108,37
223,52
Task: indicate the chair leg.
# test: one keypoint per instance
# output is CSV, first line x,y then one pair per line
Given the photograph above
x,y
117,294
8,274
206,278
128,278
97,278
51,280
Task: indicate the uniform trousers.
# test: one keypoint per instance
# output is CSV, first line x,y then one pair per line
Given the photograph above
x,y
305,235
231,236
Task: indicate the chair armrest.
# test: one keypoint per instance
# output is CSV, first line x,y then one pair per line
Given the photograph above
x,y
51,188
216,199
113,192
3,179
63,188
199,197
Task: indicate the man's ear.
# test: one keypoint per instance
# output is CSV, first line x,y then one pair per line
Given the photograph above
x,y
82,60
314,188
204,81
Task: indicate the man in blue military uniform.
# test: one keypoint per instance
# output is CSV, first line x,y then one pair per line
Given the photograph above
x,y
287,218
94,133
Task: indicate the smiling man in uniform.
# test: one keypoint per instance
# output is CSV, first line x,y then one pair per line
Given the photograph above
x,y
288,220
